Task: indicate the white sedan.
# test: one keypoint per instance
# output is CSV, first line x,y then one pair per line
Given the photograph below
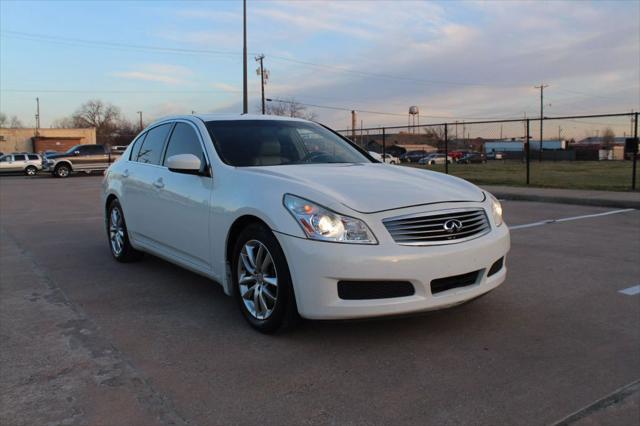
x,y
384,158
294,220
433,159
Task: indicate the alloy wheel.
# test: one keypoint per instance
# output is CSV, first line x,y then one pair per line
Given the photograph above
x,y
116,231
257,279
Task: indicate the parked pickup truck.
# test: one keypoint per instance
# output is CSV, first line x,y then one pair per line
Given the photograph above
x,y
80,158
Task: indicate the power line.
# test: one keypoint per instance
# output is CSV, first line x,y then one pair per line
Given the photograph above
x,y
108,44
333,68
364,111
116,91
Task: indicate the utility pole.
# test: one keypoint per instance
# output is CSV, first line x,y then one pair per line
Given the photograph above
x,y
140,119
501,132
37,116
559,133
354,116
541,87
463,129
245,102
264,74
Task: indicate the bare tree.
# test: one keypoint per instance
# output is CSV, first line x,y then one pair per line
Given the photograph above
x,y
65,123
608,138
289,108
15,123
105,117
3,119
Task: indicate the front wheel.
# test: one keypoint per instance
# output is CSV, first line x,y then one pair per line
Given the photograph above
x,y
62,171
31,171
261,279
119,243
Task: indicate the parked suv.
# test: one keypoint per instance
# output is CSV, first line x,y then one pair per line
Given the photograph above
x,y
27,163
292,218
80,158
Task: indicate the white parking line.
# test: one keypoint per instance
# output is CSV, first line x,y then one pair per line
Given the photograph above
x,y
631,291
567,219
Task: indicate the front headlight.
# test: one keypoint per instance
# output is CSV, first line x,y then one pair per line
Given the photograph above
x,y
322,224
496,210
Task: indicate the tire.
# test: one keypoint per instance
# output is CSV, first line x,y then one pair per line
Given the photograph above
x,y
266,306
62,171
31,171
118,236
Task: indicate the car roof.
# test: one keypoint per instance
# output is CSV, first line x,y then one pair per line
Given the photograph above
x,y
227,117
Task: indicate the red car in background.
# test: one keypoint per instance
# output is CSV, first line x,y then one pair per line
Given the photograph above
x,y
456,155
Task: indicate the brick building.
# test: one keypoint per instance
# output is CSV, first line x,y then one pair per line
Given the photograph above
x,y
19,140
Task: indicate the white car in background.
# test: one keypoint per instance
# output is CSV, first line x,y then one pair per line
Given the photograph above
x,y
436,158
293,219
384,158
376,156
390,159
24,162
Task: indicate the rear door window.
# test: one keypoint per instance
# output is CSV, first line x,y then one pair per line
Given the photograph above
x,y
20,157
151,148
95,150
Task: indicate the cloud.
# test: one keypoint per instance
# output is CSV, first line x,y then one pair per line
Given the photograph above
x,y
161,73
226,87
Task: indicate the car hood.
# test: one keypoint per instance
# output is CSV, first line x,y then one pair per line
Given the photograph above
x,y
371,188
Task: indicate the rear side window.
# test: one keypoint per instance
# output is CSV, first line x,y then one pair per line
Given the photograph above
x,y
184,140
151,149
33,157
133,155
19,158
94,150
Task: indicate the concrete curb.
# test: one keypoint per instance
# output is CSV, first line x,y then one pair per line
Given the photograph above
x,y
599,202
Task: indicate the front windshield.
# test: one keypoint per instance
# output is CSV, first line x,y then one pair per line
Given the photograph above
x,y
73,149
244,143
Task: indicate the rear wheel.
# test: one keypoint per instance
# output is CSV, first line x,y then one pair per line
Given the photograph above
x,y
62,171
31,171
262,283
119,244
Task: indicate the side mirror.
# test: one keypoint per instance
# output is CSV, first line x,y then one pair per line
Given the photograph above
x,y
184,163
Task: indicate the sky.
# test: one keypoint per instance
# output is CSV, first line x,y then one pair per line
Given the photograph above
x,y
454,60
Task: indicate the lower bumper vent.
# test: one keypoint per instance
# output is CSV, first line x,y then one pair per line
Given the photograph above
x,y
362,290
455,281
496,267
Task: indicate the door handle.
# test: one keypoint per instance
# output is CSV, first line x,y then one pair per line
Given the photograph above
x,y
158,183
125,174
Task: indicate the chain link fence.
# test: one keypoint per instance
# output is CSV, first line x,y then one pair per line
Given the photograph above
x,y
580,152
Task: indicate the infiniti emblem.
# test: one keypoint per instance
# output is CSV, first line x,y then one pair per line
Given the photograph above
x,y
452,225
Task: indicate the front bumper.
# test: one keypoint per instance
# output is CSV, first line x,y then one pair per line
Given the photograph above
x,y
316,267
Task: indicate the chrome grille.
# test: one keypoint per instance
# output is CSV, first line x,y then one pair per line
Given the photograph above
x,y
429,228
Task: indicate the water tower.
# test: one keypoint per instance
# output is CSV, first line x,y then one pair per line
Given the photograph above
x,y
413,113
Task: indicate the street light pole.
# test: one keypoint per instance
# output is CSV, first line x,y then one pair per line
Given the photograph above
x,y
541,87
260,59
37,116
245,102
140,118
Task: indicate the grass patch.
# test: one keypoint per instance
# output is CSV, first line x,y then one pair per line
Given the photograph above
x,y
598,175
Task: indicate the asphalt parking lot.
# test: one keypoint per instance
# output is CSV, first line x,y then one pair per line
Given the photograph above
x,y
86,340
